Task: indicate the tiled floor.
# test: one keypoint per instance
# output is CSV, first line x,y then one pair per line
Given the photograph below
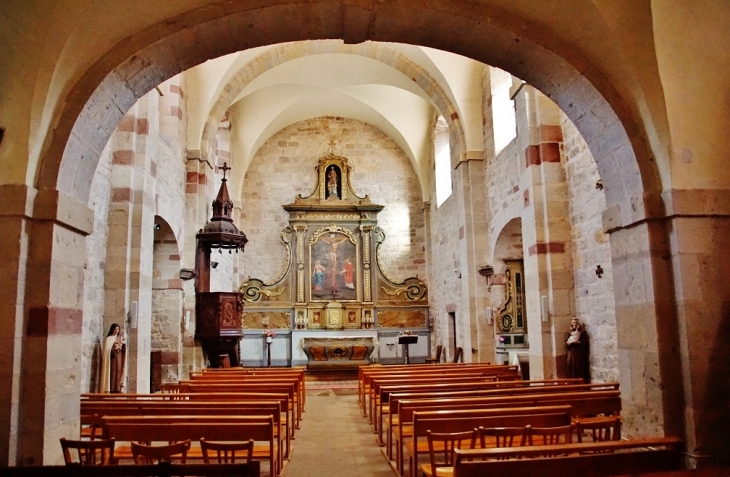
x,y
335,439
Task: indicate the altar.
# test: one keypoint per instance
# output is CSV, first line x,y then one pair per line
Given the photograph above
x,y
332,349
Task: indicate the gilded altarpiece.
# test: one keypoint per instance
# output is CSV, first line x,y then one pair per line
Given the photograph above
x,y
333,279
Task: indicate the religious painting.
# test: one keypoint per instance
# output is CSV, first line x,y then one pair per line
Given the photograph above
x,y
351,318
333,271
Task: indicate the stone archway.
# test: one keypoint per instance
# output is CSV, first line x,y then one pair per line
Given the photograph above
x,y
618,142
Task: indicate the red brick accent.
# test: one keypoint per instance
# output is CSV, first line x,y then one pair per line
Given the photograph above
x,y
191,177
532,156
121,194
48,321
175,89
143,126
191,188
549,247
126,124
176,111
551,133
175,284
419,261
526,198
515,188
123,157
202,179
550,152
170,357
174,257
454,116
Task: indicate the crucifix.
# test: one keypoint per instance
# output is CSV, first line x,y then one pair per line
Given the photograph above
x,y
224,168
334,294
332,145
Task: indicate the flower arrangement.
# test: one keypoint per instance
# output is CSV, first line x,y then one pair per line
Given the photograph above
x,y
269,333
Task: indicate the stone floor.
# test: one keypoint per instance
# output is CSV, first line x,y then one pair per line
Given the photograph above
x,y
335,439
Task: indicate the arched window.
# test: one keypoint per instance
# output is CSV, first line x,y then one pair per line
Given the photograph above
x,y
503,109
442,160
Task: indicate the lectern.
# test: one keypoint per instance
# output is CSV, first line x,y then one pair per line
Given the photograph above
x,y
407,340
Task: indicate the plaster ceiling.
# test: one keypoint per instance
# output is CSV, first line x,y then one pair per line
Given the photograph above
x,y
336,84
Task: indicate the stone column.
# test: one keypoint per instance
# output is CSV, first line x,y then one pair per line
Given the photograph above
x,y
48,402
474,244
546,239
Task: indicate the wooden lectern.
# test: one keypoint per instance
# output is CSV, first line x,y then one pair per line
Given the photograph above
x,y
407,340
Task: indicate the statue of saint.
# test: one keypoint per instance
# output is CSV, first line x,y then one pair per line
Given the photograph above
x,y
332,183
113,361
578,352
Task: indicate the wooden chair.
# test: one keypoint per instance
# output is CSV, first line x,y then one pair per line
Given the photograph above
x,y
437,358
227,452
500,436
457,354
143,454
599,429
546,436
96,452
90,426
441,447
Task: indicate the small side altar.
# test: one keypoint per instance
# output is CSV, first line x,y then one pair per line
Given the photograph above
x,y
337,352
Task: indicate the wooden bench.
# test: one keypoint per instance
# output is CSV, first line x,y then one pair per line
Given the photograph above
x,y
164,469
366,373
600,459
365,386
197,408
282,398
485,388
179,428
267,387
457,421
580,403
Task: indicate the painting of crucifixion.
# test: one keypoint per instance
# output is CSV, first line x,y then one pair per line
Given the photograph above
x,y
333,268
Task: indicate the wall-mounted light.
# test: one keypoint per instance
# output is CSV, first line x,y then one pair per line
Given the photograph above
x,y
187,274
158,226
214,264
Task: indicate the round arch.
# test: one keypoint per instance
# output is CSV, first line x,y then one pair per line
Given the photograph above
x,y
138,64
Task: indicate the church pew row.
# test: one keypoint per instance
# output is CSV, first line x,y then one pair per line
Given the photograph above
x,y
581,404
367,373
487,388
458,421
595,459
252,469
473,374
228,379
179,428
284,400
289,388
194,408
235,373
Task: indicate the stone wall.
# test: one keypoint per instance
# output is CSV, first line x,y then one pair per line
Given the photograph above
x,y
594,298
93,322
284,167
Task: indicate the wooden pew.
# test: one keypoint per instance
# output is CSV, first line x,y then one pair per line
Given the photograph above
x,y
235,373
364,384
176,428
268,387
596,459
229,379
283,398
580,404
366,373
156,470
487,388
197,408
457,421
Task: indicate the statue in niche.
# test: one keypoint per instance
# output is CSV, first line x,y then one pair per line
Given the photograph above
x,y
578,351
113,361
333,183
